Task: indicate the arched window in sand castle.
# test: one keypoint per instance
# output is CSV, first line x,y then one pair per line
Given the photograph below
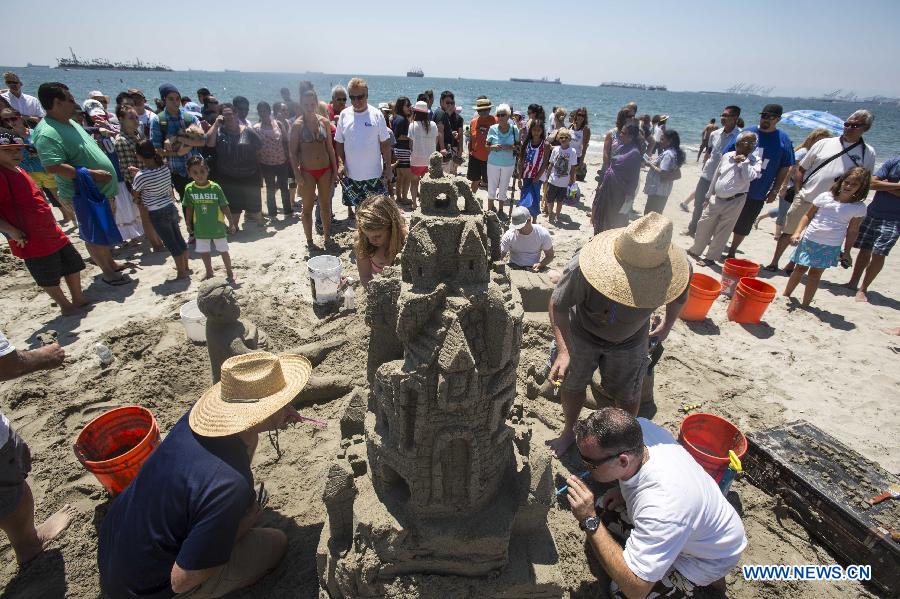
x,y
396,484
454,467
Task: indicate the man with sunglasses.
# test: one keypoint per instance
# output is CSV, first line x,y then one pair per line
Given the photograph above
x,y
679,531
718,140
826,160
28,106
776,152
450,132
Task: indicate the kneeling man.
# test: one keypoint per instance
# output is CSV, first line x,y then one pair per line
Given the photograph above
x,y
524,242
681,532
185,526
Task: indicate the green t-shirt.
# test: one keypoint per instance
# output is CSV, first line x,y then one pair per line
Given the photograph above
x,y
207,202
68,143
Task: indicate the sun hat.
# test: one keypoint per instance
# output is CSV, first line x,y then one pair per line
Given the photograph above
x,y
775,109
133,91
97,94
420,106
663,118
93,108
519,217
483,104
11,139
384,106
253,387
637,265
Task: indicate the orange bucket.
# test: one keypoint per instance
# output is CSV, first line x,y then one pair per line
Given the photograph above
x,y
115,445
702,293
708,438
734,270
751,298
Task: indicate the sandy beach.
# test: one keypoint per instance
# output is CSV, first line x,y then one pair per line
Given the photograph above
x,y
829,365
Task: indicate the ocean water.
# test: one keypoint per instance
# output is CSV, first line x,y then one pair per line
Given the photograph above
x,y
689,111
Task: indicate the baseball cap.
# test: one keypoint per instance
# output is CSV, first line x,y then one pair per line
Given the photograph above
x,y
93,108
420,106
519,217
11,139
383,106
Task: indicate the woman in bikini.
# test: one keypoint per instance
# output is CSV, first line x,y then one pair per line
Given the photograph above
x,y
380,235
314,164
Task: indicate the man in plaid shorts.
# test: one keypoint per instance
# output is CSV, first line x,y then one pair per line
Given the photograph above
x,y
880,229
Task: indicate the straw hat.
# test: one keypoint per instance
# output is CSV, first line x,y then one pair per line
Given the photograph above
x,y
253,387
636,266
483,104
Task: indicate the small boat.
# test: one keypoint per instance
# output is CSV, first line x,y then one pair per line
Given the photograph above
x,y
415,72
541,80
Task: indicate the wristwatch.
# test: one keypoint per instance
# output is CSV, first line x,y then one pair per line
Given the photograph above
x,y
590,525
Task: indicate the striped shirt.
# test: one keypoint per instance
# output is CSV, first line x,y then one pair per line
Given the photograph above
x,y
155,187
534,160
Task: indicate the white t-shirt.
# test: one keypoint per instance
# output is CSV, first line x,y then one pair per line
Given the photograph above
x,y
362,134
680,516
424,143
561,163
525,250
829,225
5,348
862,155
25,104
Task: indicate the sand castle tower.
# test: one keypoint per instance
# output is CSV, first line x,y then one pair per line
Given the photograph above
x,y
437,474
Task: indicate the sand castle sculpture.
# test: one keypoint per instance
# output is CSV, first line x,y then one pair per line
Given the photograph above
x,y
437,474
226,334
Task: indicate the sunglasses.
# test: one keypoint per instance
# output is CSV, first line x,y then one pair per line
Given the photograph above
x,y
503,114
13,82
339,100
357,98
728,116
10,119
850,125
592,465
766,115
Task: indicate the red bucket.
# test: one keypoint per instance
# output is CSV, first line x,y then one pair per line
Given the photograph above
x,y
733,271
115,445
702,293
708,438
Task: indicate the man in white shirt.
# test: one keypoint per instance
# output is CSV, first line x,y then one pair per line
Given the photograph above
x,y
363,147
727,194
16,499
28,106
684,534
718,141
826,160
524,242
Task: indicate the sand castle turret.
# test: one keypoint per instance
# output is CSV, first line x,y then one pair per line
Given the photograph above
x,y
444,479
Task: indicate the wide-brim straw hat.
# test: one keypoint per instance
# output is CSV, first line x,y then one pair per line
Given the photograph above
x,y
637,265
483,104
663,118
253,387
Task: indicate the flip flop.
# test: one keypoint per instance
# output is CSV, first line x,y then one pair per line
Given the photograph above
x,y
126,265
118,282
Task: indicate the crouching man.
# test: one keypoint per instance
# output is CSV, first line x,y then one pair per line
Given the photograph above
x,y
681,532
185,526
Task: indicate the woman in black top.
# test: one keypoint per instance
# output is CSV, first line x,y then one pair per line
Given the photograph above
x,y
235,164
400,126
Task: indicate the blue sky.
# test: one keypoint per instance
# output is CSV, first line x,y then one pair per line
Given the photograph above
x,y
800,47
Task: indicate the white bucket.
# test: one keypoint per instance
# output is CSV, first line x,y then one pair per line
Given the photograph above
x,y
325,274
194,321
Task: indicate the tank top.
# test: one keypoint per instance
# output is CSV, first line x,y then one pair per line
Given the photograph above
x,y
534,158
577,141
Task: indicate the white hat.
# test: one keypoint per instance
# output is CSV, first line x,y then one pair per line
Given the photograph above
x,y
420,106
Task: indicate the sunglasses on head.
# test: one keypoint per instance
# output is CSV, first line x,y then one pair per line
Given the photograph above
x,y
850,125
357,97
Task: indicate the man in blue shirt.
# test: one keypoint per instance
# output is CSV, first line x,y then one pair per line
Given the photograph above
x,y
775,150
169,123
185,524
879,231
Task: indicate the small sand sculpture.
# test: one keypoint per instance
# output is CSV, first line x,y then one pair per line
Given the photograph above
x,y
439,475
226,334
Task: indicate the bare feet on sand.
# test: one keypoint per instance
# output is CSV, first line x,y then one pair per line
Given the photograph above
x,y
560,445
51,528
894,331
861,297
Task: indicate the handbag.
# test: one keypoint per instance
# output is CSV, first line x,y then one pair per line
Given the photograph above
x,y
96,222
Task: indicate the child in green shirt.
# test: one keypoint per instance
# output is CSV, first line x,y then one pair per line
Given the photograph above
x,y
205,209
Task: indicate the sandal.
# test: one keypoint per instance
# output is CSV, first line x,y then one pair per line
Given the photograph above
x,y
123,280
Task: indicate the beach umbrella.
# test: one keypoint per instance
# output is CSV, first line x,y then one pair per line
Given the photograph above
x,y
813,119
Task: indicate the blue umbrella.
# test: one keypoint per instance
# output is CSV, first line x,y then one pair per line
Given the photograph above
x,y
813,119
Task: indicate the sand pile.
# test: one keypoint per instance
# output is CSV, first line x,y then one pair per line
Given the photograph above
x,y
829,366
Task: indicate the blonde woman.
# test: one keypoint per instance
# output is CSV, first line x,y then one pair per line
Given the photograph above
x,y
503,143
380,235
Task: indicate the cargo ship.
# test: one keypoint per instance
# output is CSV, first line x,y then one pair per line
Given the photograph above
x,y
641,86
105,65
541,80
415,72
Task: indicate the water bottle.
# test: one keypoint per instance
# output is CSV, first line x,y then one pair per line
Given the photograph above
x,y
349,299
106,356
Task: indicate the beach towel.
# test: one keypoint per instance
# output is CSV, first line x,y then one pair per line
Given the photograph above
x,y
128,217
531,196
96,223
